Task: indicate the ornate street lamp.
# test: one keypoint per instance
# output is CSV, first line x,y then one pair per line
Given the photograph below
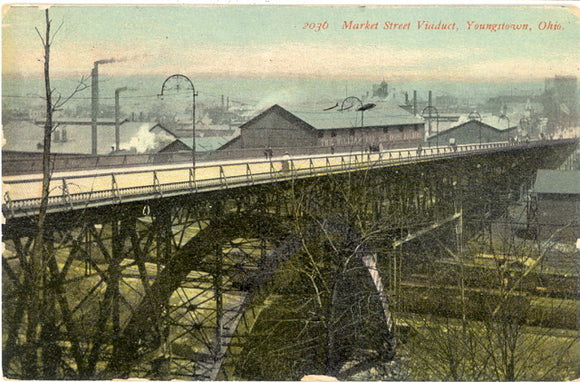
x,y
349,103
178,82
366,106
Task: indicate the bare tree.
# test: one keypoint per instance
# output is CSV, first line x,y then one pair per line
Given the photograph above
x,y
332,318
494,316
40,316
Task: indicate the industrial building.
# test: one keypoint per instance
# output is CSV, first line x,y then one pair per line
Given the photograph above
x,y
202,144
472,131
336,129
555,206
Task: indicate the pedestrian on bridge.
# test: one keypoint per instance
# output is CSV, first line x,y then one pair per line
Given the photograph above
x,y
286,162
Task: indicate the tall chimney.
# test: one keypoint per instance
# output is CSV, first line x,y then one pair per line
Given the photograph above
x,y
95,101
429,105
94,106
117,112
414,102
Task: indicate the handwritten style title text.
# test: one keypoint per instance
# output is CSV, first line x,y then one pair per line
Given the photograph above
x,y
439,25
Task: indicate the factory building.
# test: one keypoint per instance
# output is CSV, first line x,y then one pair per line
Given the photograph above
x,y
274,128
472,131
554,209
381,126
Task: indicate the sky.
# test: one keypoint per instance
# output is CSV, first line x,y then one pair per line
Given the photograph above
x,y
258,41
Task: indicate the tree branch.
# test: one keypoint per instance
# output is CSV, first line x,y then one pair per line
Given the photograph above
x,y
40,36
81,85
56,32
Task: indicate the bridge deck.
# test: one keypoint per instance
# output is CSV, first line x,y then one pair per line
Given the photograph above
x,y
93,188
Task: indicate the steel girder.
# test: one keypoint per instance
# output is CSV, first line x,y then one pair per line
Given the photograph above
x,y
169,287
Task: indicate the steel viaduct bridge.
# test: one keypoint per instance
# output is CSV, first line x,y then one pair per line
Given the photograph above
x,y
163,271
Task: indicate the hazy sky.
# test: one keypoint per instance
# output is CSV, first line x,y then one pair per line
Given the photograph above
x,y
270,41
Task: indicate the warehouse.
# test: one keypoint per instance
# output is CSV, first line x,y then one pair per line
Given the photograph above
x,y
380,126
555,205
472,131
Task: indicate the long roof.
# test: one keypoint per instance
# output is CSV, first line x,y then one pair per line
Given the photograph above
x,y
205,143
385,113
284,113
471,121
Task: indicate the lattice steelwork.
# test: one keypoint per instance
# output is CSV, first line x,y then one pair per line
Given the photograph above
x,y
173,287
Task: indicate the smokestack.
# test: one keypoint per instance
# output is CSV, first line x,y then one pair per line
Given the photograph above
x,y
228,104
94,107
429,105
95,100
117,111
415,102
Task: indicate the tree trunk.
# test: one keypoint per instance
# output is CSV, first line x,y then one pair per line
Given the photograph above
x,y
36,270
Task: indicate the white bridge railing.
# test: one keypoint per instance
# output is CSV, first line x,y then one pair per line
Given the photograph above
x,y
86,189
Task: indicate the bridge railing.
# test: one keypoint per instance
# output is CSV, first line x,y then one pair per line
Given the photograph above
x,y
84,189
19,163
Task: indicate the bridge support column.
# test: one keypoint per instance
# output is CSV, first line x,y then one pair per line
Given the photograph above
x,y
163,233
218,297
114,279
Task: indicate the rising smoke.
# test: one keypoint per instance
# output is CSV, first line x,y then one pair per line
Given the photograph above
x,y
107,61
143,141
122,59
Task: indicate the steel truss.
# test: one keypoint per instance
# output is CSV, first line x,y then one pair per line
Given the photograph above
x,y
173,287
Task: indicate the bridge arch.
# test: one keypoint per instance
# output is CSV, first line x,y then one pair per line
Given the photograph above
x,y
112,270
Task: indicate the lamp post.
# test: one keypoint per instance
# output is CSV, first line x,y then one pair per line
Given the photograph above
x,y
177,82
348,103
366,106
